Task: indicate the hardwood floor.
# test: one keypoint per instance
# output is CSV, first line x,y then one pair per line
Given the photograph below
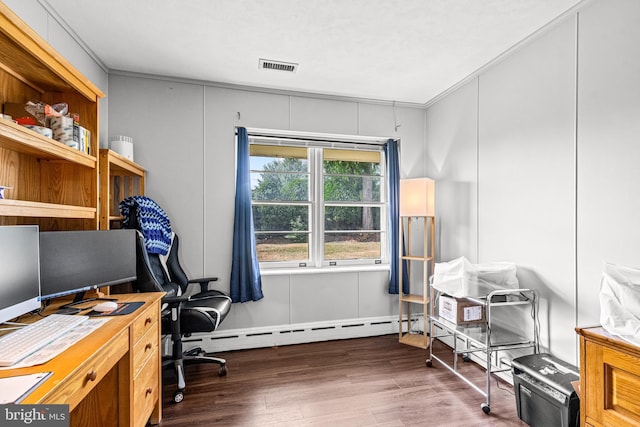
x,y
358,382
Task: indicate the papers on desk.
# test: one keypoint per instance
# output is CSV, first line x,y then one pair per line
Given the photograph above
x,y
56,347
15,389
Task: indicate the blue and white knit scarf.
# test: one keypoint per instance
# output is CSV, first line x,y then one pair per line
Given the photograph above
x,y
143,214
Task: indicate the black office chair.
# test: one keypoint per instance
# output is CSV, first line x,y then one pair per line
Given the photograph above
x,y
181,315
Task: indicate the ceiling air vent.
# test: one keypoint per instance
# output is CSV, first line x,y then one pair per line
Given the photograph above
x,y
268,64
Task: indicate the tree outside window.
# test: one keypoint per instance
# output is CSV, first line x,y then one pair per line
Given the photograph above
x,y
314,206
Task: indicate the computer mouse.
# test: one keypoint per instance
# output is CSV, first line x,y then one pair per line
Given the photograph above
x,y
105,306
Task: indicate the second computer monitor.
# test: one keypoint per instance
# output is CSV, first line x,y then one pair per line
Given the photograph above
x,y
19,273
72,262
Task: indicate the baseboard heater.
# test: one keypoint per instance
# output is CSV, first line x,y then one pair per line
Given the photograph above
x,y
241,339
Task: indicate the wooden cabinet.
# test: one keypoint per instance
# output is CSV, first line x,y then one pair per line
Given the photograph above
x,y
145,366
119,178
609,379
53,185
90,372
112,377
425,263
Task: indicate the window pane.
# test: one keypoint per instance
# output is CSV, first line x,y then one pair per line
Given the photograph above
x,y
279,173
352,246
279,151
276,164
339,167
351,162
351,189
282,247
351,218
279,186
364,156
280,218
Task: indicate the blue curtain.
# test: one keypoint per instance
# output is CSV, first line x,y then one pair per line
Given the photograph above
x,y
393,177
246,283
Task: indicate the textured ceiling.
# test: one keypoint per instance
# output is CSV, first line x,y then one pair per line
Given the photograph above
x,y
393,50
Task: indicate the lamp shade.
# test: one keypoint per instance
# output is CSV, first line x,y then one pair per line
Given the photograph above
x,y
417,197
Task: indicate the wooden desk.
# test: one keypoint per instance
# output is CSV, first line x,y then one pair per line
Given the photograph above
x,y
111,377
609,379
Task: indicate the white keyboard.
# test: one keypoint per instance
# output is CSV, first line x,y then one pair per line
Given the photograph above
x,y
19,344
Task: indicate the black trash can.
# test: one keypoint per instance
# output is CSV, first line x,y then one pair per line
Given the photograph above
x,y
544,394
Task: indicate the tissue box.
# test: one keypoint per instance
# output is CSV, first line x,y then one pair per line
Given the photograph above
x,y
460,310
122,145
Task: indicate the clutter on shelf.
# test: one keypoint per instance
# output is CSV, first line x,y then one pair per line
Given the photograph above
x,y
460,311
52,121
460,278
620,301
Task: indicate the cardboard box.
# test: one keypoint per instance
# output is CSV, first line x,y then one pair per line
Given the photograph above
x,y
460,311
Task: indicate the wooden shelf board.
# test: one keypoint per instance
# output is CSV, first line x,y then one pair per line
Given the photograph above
x,y
416,258
46,68
44,210
415,298
416,340
120,165
19,138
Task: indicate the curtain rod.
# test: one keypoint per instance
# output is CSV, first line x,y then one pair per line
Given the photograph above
x,y
315,137
286,140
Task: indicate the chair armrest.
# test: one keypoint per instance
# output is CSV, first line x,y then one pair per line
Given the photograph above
x,y
176,300
204,282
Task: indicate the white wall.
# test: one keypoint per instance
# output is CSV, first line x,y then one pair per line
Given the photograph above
x,y
556,163
184,136
452,160
609,150
526,175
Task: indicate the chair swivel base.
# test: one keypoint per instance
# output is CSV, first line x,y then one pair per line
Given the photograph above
x,y
198,355
195,355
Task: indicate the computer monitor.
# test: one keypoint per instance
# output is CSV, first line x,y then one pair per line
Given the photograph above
x,y
19,271
73,262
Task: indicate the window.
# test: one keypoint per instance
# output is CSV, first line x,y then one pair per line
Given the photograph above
x,y
317,205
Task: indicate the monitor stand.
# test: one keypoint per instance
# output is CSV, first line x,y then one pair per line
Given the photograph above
x,y
80,299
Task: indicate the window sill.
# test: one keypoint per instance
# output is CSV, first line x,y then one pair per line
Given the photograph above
x,y
323,270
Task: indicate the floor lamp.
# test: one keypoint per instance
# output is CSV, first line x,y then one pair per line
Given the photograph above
x,y
417,204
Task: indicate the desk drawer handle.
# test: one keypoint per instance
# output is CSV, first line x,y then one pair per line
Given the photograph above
x,y
148,320
147,347
91,376
148,391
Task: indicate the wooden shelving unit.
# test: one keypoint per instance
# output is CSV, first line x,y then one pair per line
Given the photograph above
x,y
426,260
119,178
54,186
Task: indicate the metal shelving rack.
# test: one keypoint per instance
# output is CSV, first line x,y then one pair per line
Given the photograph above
x,y
485,338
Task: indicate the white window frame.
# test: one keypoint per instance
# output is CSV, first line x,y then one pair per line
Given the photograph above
x,y
315,142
